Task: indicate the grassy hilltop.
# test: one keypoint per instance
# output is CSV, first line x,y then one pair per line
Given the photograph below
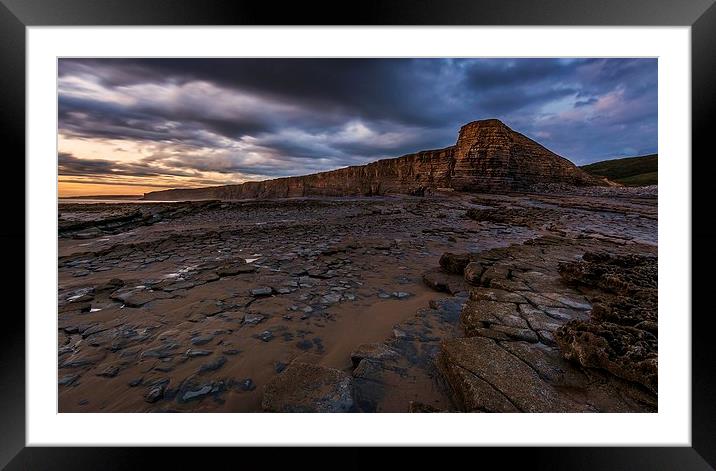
x,y
631,171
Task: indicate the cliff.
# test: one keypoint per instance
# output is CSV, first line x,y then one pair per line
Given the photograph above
x,y
488,157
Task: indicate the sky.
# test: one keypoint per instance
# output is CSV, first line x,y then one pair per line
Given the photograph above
x,y
129,126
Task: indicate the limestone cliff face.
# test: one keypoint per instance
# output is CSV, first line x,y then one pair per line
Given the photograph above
x,y
488,156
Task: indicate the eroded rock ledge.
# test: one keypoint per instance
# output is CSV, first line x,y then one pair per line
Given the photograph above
x,y
537,343
621,335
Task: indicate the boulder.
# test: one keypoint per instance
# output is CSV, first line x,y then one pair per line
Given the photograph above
x,y
473,272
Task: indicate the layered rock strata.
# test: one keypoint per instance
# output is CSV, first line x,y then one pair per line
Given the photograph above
x,y
488,157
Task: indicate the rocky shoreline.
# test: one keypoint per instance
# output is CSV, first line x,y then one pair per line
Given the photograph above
x,y
451,302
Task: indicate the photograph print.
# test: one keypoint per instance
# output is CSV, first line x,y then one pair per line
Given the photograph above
x,y
357,235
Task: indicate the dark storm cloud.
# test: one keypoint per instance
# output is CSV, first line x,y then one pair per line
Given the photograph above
x,y
93,118
373,89
276,117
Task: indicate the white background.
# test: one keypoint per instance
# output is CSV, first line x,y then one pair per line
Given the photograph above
x,y
670,426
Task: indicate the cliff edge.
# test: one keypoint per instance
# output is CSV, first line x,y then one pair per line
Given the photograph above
x,y
488,157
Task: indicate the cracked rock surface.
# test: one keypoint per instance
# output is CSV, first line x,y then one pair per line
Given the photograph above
x,y
381,304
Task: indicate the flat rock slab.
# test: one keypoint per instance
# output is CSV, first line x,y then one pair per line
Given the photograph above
x,y
138,297
485,377
302,387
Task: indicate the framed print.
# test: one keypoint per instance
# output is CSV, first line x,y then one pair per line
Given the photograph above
x,y
453,224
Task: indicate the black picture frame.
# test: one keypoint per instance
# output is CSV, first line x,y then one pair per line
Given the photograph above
x,y
17,15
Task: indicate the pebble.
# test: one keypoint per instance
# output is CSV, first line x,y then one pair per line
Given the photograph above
x,y
67,380
197,353
253,319
155,393
198,393
261,291
135,382
247,385
201,339
212,365
332,298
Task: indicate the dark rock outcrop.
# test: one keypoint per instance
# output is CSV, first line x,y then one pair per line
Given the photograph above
x,y
624,351
488,156
621,335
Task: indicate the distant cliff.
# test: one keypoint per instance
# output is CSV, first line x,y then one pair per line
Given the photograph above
x,y
488,157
